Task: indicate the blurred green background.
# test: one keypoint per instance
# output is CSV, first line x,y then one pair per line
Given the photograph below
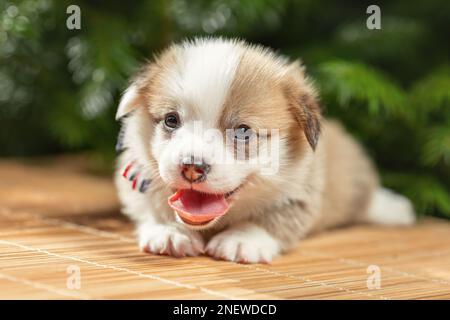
x,y
59,88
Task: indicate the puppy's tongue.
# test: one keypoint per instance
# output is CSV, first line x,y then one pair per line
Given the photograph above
x,y
196,207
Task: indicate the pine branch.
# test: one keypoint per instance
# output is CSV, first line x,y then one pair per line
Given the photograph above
x,y
352,82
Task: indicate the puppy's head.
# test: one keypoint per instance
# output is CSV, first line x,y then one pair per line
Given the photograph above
x,y
223,115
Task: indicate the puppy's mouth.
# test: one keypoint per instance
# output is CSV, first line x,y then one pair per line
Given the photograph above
x,y
198,209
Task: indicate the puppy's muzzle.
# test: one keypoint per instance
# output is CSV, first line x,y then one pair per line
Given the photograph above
x,y
194,171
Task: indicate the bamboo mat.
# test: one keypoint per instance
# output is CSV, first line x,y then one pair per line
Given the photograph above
x,y
58,221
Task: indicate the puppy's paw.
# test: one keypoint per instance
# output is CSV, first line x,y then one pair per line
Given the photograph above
x,y
169,240
247,243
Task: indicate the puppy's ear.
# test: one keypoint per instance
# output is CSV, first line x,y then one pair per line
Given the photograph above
x,y
303,102
131,99
134,95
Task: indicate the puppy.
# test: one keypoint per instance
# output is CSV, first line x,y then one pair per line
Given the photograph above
x,y
225,152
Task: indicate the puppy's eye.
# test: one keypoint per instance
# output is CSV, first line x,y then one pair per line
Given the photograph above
x,y
172,120
243,133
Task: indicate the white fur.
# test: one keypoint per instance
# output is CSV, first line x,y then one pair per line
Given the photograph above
x,y
247,243
202,77
210,67
128,101
169,239
390,208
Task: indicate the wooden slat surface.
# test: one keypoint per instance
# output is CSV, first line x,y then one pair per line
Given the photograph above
x,y
55,214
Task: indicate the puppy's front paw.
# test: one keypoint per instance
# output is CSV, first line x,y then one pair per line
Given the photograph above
x,y
245,244
170,240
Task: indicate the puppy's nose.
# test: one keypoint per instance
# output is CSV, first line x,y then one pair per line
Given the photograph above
x,y
194,171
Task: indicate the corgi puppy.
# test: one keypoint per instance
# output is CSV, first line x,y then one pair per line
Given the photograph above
x,y
225,153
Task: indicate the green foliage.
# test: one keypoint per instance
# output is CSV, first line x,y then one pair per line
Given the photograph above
x,y
356,83
432,94
391,87
437,145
